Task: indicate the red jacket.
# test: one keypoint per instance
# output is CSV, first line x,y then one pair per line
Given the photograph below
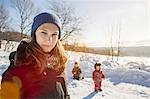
x,y
97,76
34,85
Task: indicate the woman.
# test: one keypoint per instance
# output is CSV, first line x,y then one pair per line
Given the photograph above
x,y
39,67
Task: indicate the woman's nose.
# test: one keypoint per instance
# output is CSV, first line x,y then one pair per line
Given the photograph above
x,y
50,39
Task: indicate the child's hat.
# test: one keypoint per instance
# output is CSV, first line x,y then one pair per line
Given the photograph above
x,y
45,18
97,64
76,63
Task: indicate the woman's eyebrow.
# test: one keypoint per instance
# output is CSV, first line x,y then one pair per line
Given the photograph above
x,y
43,29
56,32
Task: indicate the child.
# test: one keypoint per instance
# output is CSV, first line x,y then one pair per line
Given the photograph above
x,y
97,77
39,66
11,65
76,71
12,58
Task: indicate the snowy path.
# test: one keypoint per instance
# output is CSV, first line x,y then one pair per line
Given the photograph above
x,y
84,90
120,83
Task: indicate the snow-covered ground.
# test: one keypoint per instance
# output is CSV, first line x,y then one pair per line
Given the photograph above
x,y
127,78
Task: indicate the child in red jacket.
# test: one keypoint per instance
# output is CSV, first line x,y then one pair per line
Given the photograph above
x,y
97,77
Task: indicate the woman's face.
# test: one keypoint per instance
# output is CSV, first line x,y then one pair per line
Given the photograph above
x,y
47,36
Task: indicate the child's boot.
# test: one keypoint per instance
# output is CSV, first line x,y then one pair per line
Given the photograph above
x,y
96,91
100,89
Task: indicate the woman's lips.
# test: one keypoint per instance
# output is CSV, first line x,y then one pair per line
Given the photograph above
x,y
47,45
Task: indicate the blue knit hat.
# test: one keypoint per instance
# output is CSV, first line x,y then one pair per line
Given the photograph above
x,y
45,18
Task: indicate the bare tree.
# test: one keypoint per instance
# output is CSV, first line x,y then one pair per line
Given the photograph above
x,y
71,24
118,46
3,20
25,10
111,42
115,35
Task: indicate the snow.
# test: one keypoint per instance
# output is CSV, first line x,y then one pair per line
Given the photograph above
x,y
84,90
4,62
127,78
123,78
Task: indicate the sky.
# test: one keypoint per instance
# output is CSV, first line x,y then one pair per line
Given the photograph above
x,y
103,15
102,20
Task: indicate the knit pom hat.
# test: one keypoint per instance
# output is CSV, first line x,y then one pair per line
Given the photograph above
x,y
45,18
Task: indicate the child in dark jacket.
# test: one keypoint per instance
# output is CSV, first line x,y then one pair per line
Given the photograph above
x,y
12,58
11,65
76,71
97,77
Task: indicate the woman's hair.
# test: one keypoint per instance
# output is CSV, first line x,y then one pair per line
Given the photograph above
x,y
32,54
20,57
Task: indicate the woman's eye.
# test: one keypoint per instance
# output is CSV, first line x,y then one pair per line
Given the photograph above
x,y
44,33
54,34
